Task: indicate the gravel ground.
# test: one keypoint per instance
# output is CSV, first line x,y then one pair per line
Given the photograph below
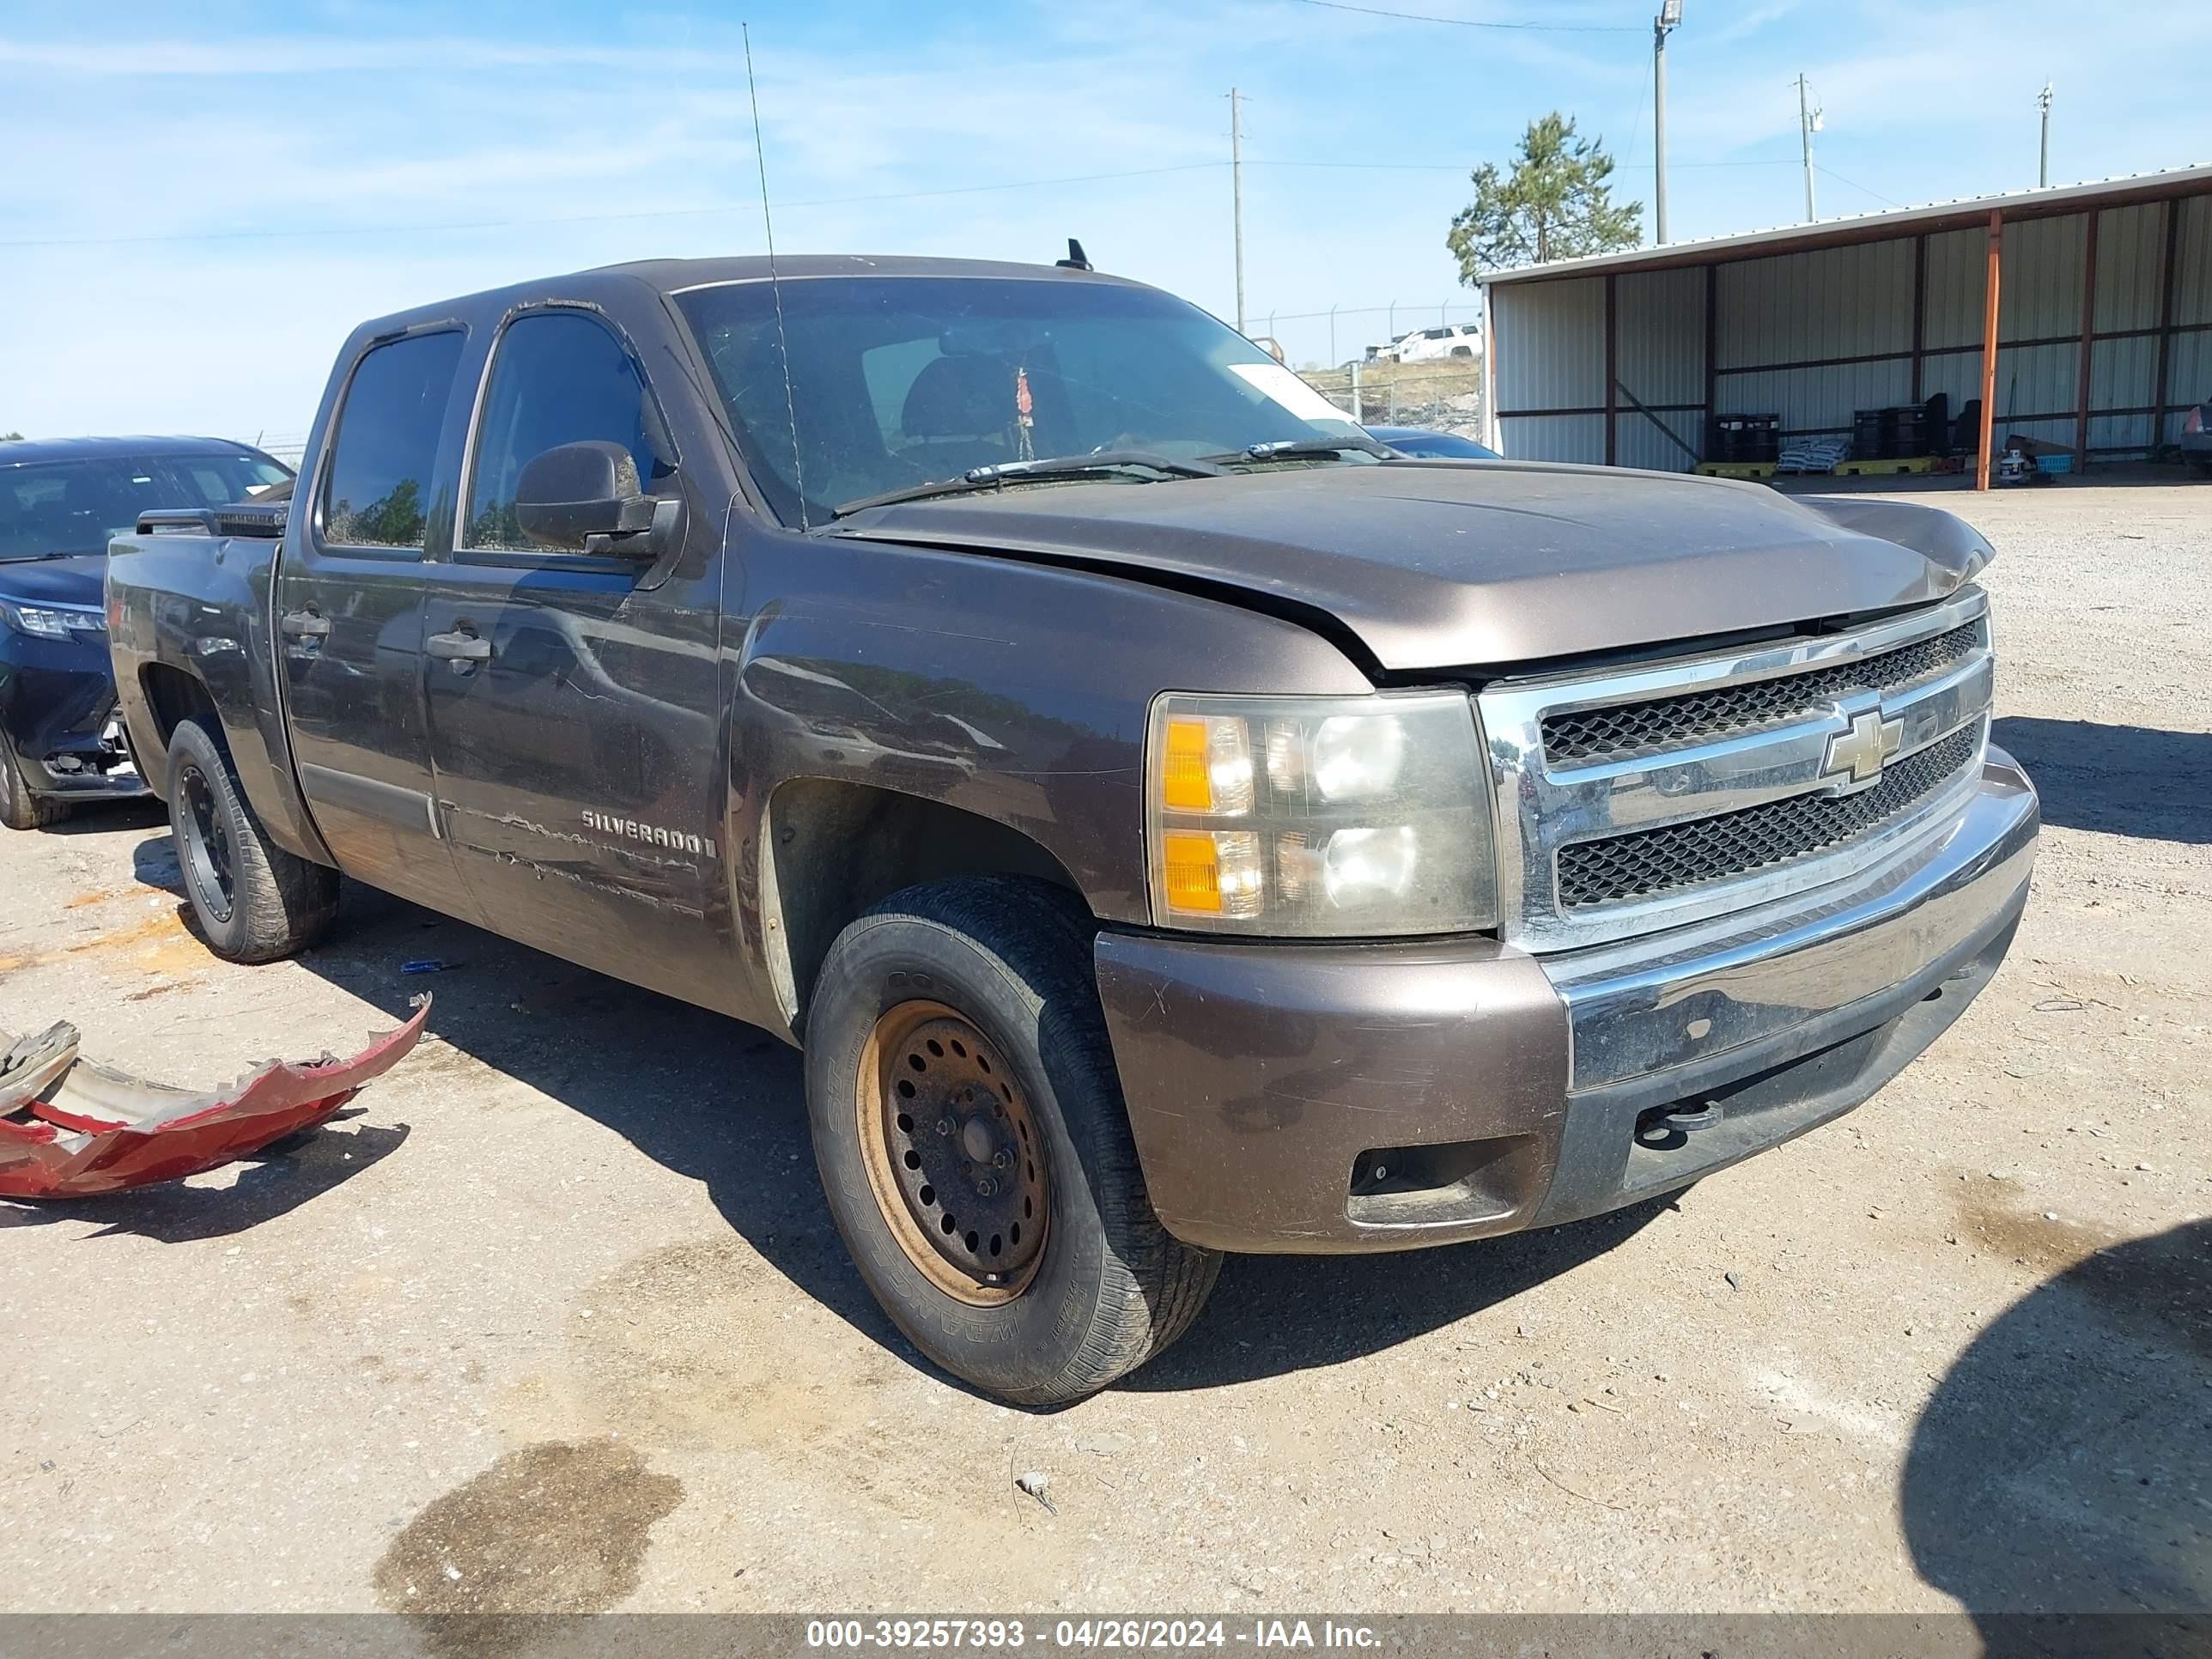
x,y
554,1321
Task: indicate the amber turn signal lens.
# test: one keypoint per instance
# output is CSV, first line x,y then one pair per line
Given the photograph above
x,y
1186,780
1192,869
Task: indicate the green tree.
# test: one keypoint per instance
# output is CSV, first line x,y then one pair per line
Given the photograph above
x,y
10,437
1556,204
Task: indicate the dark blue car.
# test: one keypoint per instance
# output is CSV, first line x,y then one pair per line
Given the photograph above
x,y
1425,444
60,741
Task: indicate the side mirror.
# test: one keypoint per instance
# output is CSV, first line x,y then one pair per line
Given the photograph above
x,y
585,497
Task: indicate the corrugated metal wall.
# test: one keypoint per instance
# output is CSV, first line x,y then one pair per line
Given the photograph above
x,y
1660,355
1782,322
1551,344
2190,374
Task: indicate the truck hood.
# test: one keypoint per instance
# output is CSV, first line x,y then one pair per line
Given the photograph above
x,y
1444,564
75,579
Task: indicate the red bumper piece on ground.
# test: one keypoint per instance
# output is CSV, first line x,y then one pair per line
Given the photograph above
x,y
69,1128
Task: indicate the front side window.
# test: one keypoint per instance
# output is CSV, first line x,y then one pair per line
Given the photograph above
x,y
559,377
219,480
377,493
896,382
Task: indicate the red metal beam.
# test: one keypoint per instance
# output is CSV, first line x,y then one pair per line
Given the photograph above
x,y
1990,345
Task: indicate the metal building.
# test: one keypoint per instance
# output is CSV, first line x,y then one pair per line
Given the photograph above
x,y
2081,314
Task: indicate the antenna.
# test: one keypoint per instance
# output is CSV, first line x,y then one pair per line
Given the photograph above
x,y
783,340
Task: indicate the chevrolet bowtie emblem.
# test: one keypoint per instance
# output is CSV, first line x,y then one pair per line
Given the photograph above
x,y
1859,754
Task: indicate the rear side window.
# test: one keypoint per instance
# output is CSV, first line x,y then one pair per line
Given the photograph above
x,y
558,377
377,489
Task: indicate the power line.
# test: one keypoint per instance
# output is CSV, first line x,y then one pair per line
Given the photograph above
x,y
1472,22
1819,166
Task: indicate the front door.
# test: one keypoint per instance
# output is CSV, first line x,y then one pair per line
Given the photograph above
x,y
574,709
349,622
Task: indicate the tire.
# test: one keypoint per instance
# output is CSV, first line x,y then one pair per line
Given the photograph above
x,y
19,808
1104,1286
254,902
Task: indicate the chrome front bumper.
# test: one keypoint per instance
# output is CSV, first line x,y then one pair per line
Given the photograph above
x,y
1269,1083
1708,1014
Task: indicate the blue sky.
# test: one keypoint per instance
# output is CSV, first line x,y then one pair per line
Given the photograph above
x,y
427,151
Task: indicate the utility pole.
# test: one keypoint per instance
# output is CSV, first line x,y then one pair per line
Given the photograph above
x,y
1669,17
1808,123
2042,102
1332,337
1236,195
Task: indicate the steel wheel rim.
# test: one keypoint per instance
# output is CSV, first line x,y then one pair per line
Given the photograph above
x,y
207,852
955,1156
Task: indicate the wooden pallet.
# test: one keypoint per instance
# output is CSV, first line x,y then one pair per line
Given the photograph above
x,y
1869,469
1736,469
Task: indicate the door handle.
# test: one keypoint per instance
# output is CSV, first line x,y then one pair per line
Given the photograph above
x,y
459,648
306,625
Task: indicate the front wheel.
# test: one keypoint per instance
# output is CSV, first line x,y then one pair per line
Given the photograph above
x,y
254,902
969,1130
19,808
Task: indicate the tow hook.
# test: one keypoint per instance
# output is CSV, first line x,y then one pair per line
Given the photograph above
x,y
1666,1128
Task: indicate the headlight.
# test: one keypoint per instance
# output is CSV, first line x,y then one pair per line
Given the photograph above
x,y
1319,816
50,624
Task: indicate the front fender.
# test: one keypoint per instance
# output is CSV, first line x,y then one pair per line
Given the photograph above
x,y
1943,538
1014,691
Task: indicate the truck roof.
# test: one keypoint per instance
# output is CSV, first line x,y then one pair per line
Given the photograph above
x,y
676,276
17,451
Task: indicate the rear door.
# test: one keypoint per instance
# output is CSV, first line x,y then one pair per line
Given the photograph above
x,y
349,620
574,706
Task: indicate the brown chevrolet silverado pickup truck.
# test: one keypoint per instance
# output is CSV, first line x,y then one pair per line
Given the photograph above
x,y
1171,821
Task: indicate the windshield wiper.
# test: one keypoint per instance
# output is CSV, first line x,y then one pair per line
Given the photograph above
x,y
1040,470
1300,449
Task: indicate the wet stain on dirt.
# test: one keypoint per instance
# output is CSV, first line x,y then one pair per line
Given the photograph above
x,y
558,1529
2162,1288
1990,1221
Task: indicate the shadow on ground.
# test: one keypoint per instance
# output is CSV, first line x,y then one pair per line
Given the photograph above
x,y
2122,780
1274,1314
274,1182
2065,1464
723,1104
106,818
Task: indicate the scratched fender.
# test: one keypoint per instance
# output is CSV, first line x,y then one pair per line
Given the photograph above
x,y
72,1129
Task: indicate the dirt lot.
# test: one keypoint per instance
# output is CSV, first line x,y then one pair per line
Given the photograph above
x,y
556,1322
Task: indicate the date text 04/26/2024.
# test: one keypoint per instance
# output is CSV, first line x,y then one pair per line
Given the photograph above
x,y
1087,1635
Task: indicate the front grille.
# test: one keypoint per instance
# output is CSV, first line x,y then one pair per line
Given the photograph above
x,y
1649,862
1626,730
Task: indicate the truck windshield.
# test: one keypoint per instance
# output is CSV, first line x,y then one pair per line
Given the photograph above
x,y
899,381
52,509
